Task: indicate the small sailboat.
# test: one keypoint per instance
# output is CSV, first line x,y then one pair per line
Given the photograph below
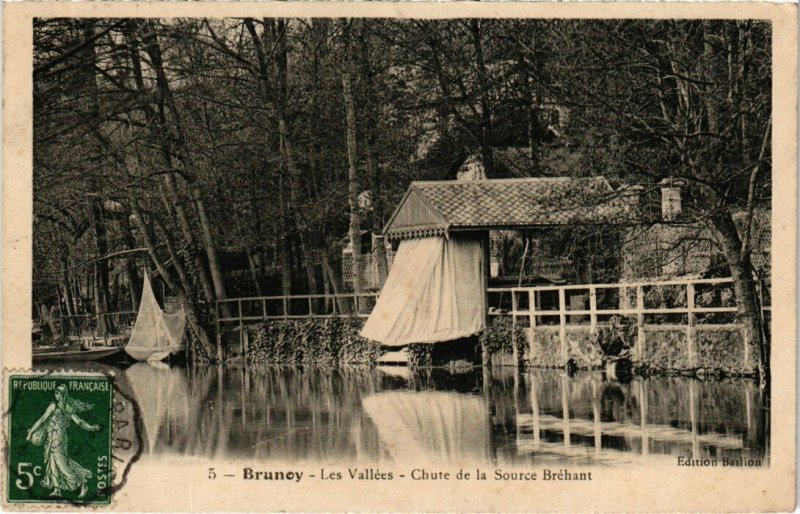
x,y
156,334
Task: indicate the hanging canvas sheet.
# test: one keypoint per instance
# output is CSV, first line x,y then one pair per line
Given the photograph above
x,y
156,334
434,292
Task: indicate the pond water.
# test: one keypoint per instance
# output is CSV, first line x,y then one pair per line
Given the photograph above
x,y
345,415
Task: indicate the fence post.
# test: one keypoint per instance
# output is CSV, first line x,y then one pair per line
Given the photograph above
x,y
640,338
219,332
643,417
690,323
486,358
514,349
514,306
593,308
264,308
532,323
562,324
241,327
285,307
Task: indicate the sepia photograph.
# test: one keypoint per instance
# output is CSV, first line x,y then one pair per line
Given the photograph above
x,y
397,250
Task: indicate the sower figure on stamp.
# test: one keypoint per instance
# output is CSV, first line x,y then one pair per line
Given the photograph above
x,y
61,472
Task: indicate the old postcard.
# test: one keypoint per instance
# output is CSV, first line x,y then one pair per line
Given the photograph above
x,y
399,257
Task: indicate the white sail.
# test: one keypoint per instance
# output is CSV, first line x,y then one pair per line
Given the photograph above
x,y
156,334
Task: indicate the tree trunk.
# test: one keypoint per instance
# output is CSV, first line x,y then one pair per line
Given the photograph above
x,y
309,258
352,162
284,247
287,148
308,263
251,263
183,277
486,113
708,74
153,49
164,135
132,275
208,243
275,37
69,300
530,99
102,296
744,287
336,285
169,192
373,170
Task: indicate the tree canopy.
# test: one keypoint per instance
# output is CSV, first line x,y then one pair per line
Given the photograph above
x,y
193,148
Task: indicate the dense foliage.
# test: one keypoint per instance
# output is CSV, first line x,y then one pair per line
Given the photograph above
x,y
239,156
311,341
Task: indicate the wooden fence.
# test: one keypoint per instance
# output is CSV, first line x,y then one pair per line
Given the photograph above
x,y
682,304
687,304
87,326
233,314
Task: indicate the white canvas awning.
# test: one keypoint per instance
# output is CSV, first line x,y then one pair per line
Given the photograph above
x,y
434,292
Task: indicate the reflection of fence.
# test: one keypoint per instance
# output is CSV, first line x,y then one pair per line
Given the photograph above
x,y
688,304
582,437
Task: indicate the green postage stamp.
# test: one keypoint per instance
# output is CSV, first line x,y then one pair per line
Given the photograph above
x,y
59,437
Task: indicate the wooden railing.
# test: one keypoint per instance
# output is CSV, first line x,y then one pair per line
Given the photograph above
x,y
631,301
233,314
627,305
260,308
118,324
559,307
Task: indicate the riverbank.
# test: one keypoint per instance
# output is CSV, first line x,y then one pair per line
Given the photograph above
x,y
662,350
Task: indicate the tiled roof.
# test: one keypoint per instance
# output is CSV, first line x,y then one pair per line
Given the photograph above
x,y
437,207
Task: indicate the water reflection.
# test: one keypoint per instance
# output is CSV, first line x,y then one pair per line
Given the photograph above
x,y
430,426
365,415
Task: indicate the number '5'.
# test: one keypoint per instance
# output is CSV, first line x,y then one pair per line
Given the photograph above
x,y
27,475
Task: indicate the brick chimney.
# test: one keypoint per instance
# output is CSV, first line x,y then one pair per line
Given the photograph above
x,y
671,189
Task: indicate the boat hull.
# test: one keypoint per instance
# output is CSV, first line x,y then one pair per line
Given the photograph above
x,y
77,356
153,354
68,348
